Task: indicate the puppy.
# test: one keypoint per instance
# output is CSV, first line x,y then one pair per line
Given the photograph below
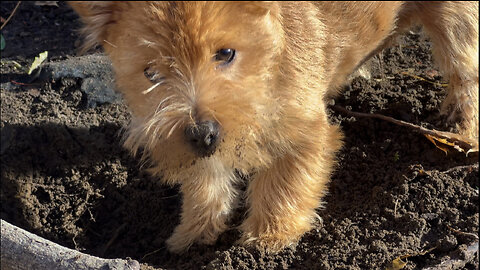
x,y
217,88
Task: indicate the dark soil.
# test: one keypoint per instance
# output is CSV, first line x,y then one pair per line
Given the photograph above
x,y
65,176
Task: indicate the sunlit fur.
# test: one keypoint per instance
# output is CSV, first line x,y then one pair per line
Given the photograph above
x,y
269,102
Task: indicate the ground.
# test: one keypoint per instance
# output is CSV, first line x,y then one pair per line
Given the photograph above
x,y
65,176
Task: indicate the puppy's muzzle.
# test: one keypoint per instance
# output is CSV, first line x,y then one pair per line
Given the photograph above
x,y
203,137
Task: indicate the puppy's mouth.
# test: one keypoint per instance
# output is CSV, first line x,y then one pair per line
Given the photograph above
x,y
203,137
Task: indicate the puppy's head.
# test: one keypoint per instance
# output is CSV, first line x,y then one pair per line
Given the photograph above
x,y
197,76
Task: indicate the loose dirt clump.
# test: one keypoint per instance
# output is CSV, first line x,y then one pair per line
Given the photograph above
x,y
65,176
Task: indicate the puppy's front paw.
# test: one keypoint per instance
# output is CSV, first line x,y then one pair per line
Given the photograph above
x,y
269,243
461,107
179,242
271,237
184,236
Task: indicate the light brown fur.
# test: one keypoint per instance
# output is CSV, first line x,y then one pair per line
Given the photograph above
x,y
270,102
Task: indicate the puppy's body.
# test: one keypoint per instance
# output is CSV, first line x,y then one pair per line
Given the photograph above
x,y
263,111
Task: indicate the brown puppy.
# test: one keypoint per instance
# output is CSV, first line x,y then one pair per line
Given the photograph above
x,y
219,87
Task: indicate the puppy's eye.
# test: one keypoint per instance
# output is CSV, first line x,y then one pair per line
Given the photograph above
x,y
225,56
152,75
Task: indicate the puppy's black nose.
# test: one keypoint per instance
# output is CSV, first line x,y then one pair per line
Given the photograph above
x,y
203,137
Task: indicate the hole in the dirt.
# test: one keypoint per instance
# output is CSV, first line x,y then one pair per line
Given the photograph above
x,y
472,178
69,89
42,195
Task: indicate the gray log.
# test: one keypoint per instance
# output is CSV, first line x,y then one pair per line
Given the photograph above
x,y
26,251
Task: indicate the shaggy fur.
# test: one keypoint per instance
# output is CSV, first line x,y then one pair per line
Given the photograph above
x,y
269,102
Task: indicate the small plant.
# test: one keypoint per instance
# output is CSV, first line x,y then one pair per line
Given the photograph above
x,y
396,157
2,42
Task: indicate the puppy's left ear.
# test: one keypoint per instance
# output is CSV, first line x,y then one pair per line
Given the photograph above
x,y
97,17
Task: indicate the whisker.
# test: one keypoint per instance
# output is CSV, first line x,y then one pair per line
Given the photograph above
x,y
109,43
151,88
146,42
172,129
160,105
191,117
215,117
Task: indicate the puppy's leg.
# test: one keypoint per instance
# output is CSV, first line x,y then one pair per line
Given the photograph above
x,y
207,203
283,199
453,29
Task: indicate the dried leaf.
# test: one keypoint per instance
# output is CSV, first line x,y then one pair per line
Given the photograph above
x,y
397,264
458,142
431,138
38,61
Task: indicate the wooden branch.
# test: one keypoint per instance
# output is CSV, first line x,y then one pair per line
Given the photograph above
x,y
463,143
25,251
11,15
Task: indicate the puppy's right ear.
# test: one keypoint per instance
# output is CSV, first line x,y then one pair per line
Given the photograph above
x,y
97,17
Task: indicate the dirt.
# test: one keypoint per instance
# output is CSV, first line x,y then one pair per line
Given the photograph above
x,y
65,176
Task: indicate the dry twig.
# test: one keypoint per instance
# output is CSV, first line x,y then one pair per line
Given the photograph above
x,y
11,15
458,141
